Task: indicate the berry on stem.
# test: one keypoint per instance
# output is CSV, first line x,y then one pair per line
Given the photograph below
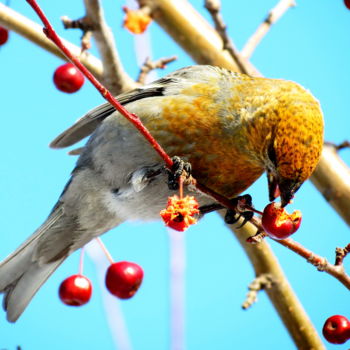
x,y
336,329
4,35
123,279
68,78
75,290
277,223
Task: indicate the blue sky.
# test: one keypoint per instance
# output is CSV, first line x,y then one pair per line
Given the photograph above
x,y
310,45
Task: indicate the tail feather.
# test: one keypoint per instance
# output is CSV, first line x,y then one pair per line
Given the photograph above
x,y
20,293
20,276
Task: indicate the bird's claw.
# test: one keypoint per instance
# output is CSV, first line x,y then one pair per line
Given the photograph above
x,y
242,204
179,168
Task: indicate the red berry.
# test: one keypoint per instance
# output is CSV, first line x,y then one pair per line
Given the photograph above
x,y
68,78
4,35
277,223
75,290
347,3
123,279
336,329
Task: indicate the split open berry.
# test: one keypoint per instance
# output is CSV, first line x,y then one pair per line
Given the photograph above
x,y
75,290
68,78
180,213
123,279
277,223
4,35
336,329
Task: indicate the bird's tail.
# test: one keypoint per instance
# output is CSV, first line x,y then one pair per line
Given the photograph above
x,y
21,275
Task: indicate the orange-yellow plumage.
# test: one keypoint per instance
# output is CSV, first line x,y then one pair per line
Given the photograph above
x,y
225,126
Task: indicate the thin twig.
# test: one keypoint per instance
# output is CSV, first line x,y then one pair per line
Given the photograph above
x,y
150,65
340,254
84,24
114,77
340,146
259,283
213,7
273,16
322,264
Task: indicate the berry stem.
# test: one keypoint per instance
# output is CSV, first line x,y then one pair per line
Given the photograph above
x,y
105,250
181,187
81,261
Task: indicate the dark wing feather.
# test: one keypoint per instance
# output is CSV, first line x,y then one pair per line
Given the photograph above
x,y
88,123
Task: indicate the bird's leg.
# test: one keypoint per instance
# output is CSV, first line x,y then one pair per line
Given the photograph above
x,y
206,209
179,168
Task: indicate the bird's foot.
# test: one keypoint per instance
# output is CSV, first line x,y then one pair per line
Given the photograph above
x,y
243,205
178,169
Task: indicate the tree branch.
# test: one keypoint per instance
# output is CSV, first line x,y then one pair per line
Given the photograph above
x,y
280,292
332,179
150,65
114,76
34,32
213,7
273,16
193,33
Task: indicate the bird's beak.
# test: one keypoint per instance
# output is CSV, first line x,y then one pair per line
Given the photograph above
x,y
288,189
282,188
274,190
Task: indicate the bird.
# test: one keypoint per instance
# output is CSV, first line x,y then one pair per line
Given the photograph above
x,y
229,126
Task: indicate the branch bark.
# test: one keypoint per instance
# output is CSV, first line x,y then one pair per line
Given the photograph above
x,y
280,292
332,179
273,16
34,32
193,33
114,76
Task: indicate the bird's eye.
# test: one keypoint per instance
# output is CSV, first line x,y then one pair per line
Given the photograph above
x,y
271,153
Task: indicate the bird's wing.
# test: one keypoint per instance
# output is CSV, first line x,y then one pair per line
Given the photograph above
x,y
88,123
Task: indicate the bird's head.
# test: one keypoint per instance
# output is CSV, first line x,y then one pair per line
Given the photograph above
x,y
294,148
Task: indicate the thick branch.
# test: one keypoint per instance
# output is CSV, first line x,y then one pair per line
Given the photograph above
x,y
332,179
34,32
273,16
280,292
114,76
214,7
193,33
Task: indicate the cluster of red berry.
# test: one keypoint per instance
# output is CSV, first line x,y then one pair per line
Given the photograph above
x,y
123,279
